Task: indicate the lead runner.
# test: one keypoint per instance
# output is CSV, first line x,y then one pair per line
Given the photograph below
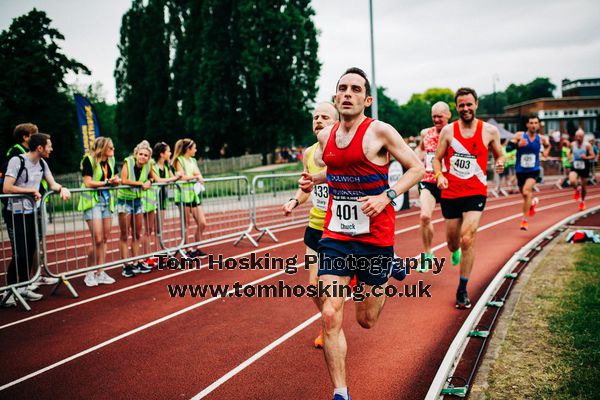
x,y
360,218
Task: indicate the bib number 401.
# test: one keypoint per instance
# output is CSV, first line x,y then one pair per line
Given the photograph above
x,y
346,212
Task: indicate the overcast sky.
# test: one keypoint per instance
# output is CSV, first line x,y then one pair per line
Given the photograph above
x,y
418,44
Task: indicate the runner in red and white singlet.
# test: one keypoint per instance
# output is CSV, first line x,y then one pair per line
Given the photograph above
x,y
463,147
429,193
350,176
360,217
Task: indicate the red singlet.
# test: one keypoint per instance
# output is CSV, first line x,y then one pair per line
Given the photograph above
x,y
467,161
350,175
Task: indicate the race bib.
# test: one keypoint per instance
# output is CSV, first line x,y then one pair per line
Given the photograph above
x,y
429,162
463,165
320,197
578,164
347,218
527,160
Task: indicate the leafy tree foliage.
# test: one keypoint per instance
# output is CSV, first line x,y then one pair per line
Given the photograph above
x,y
32,86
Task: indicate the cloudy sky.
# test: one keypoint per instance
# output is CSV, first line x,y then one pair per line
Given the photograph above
x,y
418,44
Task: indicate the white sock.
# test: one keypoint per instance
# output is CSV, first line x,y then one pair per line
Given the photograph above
x,y
342,392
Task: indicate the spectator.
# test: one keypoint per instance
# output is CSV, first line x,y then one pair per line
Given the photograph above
x,y
157,196
23,176
98,171
137,174
189,196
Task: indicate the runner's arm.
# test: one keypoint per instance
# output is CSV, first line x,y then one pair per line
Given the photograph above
x,y
300,196
497,149
546,144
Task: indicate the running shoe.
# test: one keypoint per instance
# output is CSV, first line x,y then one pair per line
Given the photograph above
x,y
534,203
128,271
456,257
90,279
150,262
104,279
319,340
576,195
581,205
524,225
425,267
353,282
340,397
462,300
46,280
398,271
143,268
30,294
200,254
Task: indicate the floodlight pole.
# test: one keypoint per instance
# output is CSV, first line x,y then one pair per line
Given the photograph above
x,y
373,82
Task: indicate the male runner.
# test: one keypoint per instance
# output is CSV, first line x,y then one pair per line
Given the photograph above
x,y
324,115
429,193
360,218
581,154
528,145
463,146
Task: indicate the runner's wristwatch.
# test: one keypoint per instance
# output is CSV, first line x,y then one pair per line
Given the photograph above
x,y
391,194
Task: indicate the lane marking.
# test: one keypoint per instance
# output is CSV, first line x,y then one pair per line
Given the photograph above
x,y
233,372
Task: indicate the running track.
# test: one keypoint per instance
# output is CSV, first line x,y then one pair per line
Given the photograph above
x,y
131,340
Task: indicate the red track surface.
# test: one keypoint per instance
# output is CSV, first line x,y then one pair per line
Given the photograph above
x,y
182,355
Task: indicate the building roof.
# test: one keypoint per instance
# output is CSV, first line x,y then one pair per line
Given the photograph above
x,y
551,100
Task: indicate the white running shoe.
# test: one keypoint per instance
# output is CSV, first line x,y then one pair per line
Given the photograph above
x,y
46,280
29,294
90,279
104,279
33,286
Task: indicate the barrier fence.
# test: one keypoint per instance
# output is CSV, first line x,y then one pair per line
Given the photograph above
x,y
135,226
19,248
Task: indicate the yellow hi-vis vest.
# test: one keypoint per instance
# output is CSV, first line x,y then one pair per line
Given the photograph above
x,y
133,193
187,194
150,198
89,199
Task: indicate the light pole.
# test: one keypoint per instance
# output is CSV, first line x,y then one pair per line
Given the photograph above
x,y
373,82
495,78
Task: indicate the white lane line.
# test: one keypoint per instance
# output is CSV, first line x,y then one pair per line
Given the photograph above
x,y
206,391
210,300
149,282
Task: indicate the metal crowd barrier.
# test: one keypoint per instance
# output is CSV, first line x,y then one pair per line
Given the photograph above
x,y
227,207
77,241
20,261
269,193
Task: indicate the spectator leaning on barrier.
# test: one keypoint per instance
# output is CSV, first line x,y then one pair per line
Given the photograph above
x,y
23,176
98,206
137,174
184,162
156,197
594,162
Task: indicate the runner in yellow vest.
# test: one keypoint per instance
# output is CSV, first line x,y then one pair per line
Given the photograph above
x,y
324,115
135,173
98,171
156,197
185,163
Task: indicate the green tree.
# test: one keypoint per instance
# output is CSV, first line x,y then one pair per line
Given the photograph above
x,y
539,87
32,86
388,109
146,104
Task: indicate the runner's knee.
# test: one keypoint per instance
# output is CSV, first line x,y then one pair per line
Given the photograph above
x,y
366,321
467,239
425,219
330,316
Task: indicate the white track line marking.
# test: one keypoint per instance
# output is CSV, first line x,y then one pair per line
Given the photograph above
x,y
264,351
206,391
149,282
